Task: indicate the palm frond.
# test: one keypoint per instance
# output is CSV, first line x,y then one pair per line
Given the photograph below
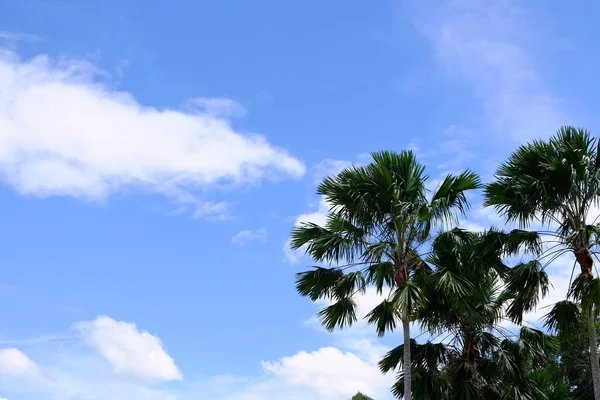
x,y
349,284
453,238
450,196
511,243
429,381
337,241
430,355
453,284
318,283
487,341
563,316
381,275
393,358
384,317
340,314
408,296
527,283
536,345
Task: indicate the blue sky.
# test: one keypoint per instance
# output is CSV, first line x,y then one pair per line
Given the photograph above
x,y
154,158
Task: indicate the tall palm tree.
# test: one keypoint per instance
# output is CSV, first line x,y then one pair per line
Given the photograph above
x,y
379,220
477,358
557,183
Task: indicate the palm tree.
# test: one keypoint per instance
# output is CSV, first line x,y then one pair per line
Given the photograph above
x,y
556,183
477,358
380,217
360,396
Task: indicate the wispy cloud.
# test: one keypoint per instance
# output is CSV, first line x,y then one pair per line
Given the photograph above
x,y
37,340
481,44
328,167
8,290
12,39
245,236
17,36
221,107
487,47
452,151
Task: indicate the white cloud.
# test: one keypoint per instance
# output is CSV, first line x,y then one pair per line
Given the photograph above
x,y
14,362
319,216
472,226
593,215
330,371
477,42
245,236
63,132
480,218
488,216
71,371
128,350
291,256
329,167
368,349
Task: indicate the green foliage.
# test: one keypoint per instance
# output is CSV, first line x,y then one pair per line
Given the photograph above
x,y
379,217
360,396
524,285
567,374
550,381
563,317
574,359
476,359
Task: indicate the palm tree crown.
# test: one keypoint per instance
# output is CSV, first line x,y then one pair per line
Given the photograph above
x,y
557,183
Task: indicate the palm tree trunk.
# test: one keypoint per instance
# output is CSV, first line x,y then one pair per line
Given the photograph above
x,y
591,325
407,362
586,262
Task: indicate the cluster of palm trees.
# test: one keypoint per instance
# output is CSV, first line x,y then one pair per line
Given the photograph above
x,y
469,291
